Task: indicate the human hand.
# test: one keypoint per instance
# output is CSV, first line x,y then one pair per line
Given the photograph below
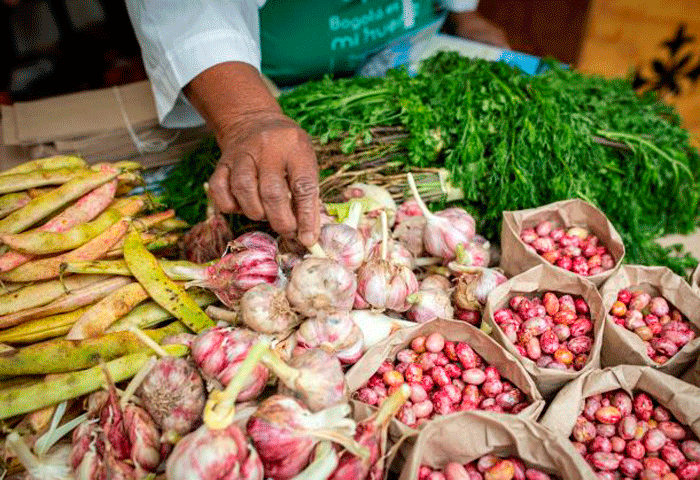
x,y
473,26
268,170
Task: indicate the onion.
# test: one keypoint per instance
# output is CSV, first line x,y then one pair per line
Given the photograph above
x,y
265,309
371,433
444,230
383,284
320,285
285,433
336,333
219,353
313,376
342,242
207,240
173,394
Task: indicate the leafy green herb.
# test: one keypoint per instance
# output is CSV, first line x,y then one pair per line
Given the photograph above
x,y
512,141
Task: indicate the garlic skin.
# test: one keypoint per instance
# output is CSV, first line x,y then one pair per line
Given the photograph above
x,y
407,210
144,437
314,377
435,281
343,244
336,333
319,285
444,230
285,433
441,237
265,309
410,234
473,285
173,394
207,240
219,352
221,454
237,273
253,241
397,254
429,305
383,285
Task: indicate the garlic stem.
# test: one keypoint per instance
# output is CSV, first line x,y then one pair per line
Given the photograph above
x,y
426,261
137,380
391,405
25,456
324,464
218,313
317,251
385,234
288,375
414,190
219,410
148,341
354,214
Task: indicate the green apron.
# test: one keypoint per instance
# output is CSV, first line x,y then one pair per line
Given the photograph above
x,y
304,39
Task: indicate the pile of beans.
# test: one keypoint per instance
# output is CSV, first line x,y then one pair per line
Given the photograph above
x,y
444,377
575,249
662,327
624,437
488,467
554,330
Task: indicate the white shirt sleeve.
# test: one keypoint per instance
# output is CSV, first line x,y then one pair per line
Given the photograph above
x,y
181,38
460,5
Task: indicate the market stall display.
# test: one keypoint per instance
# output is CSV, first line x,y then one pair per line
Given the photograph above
x,y
153,337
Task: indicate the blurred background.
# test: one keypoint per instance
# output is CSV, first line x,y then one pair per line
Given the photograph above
x,y
52,47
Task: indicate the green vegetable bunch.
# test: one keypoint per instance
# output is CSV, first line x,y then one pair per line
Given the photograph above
x,y
512,141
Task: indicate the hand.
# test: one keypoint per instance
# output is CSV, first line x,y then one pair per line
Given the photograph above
x,y
473,26
268,168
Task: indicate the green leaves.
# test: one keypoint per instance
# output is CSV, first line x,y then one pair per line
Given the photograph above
x,y
513,141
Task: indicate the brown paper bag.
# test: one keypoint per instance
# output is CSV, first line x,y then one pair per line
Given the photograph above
x,y
623,347
693,374
466,436
518,257
457,331
536,281
679,397
695,279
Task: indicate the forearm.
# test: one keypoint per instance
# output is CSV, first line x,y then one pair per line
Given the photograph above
x,y
228,91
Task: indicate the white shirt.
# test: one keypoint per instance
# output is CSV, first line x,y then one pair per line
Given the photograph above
x,y
181,38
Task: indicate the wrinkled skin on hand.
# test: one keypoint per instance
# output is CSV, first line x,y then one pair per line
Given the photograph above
x,y
268,170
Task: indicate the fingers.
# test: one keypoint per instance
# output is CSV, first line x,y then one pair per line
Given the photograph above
x,y
276,200
220,191
303,183
244,186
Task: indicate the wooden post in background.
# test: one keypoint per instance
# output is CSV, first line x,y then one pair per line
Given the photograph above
x,y
655,41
